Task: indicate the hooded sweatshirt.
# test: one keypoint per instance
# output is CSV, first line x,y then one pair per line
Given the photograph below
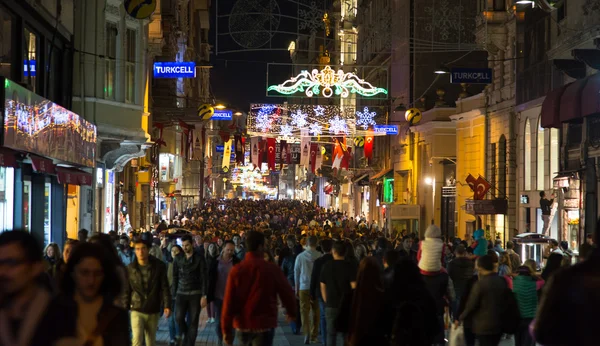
x,y
304,267
431,251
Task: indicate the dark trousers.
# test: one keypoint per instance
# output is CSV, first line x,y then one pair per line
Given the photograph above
x,y
332,335
185,304
256,339
217,308
469,336
522,336
297,324
489,340
323,322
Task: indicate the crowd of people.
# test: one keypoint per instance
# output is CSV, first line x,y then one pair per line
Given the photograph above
x,y
337,280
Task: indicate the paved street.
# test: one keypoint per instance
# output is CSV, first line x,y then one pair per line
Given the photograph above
x,y
283,334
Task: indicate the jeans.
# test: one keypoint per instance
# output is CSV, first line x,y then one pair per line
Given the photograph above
x,y
323,322
217,308
173,327
308,306
489,340
332,335
546,224
144,327
185,304
256,339
522,336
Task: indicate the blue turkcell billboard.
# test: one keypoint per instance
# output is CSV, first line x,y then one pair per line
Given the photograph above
x,y
184,69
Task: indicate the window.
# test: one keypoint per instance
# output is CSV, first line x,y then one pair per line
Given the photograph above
x,y
30,59
554,151
130,66
6,24
540,156
527,163
110,61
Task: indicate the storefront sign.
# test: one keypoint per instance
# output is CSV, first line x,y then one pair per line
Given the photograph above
x,y
222,115
471,75
486,207
73,177
221,148
39,126
42,165
387,129
99,177
184,69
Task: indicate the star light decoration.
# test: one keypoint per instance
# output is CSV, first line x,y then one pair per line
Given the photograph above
x,y
286,130
327,82
338,125
319,111
315,129
365,118
299,119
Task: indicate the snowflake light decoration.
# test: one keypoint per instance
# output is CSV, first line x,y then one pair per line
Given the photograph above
x,y
315,129
319,111
338,125
263,119
299,119
365,118
286,130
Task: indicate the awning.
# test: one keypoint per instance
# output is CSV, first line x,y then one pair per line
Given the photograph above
x,y
381,174
73,177
590,96
8,158
551,108
42,165
570,102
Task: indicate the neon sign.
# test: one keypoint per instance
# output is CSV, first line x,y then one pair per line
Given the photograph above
x,y
184,69
327,83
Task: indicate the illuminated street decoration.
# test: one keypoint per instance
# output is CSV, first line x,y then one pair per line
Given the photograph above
x,y
319,111
315,129
299,118
263,119
338,125
327,82
286,130
365,118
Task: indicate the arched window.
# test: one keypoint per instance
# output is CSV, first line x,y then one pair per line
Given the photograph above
x,y
554,149
527,148
541,178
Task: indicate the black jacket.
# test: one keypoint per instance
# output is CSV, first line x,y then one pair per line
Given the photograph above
x,y
190,275
315,278
461,270
213,273
116,332
148,297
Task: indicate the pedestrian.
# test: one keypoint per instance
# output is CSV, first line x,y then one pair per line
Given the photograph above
x,y
527,292
189,289
250,304
461,269
504,264
486,303
147,292
218,271
52,258
308,306
105,241
212,255
390,258
82,235
126,253
515,259
546,206
93,283
338,279
176,251
29,315
315,289
240,252
554,263
61,266
368,317
287,266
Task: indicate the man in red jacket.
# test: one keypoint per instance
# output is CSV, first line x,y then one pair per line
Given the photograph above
x,y
250,304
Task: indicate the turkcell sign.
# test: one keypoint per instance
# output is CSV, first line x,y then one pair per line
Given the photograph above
x,y
387,129
471,75
221,148
185,69
222,115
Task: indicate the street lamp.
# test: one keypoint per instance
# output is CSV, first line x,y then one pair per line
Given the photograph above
x,y
428,181
220,106
237,114
442,70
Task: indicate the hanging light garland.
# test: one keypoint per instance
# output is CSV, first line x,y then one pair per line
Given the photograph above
x,y
327,83
338,126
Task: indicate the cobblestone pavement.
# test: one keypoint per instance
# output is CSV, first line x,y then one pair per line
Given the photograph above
x,y
283,334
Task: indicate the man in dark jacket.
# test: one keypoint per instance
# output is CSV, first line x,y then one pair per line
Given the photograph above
x,y
460,270
189,289
288,270
147,291
315,284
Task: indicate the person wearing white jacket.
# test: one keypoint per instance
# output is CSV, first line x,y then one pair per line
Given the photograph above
x,y
431,251
302,274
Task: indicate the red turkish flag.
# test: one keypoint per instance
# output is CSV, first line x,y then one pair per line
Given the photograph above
x,y
271,150
482,186
313,156
368,147
346,159
472,182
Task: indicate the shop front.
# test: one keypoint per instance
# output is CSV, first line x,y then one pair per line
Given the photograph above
x,y
41,188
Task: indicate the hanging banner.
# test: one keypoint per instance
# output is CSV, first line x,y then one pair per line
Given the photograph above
x,y
255,152
338,153
319,159
239,149
305,149
271,150
226,156
313,156
295,153
346,159
368,147
197,146
284,157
